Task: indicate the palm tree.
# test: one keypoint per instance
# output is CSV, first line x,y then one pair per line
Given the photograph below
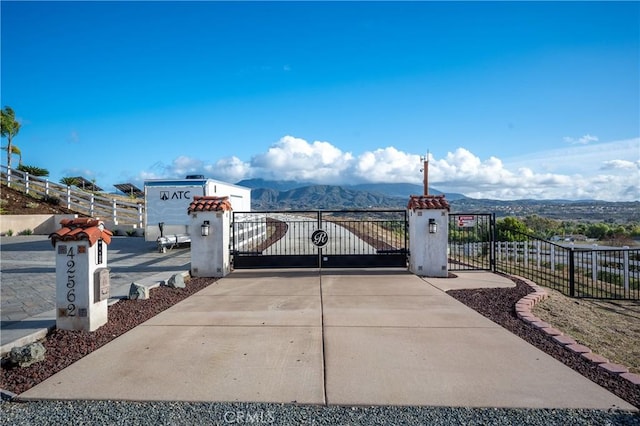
x,y
15,151
9,128
69,181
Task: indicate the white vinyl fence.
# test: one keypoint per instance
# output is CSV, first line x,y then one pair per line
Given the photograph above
x,y
107,209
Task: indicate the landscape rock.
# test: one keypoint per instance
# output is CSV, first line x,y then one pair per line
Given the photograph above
x,y
138,292
26,355
176,281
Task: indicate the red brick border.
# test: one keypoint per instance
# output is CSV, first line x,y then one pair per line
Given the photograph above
x,y
523,311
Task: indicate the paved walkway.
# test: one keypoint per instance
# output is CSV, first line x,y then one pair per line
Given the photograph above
x,y
28,290
379,337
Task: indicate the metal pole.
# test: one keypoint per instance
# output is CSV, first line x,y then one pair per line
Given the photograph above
x,y
425,168
572,270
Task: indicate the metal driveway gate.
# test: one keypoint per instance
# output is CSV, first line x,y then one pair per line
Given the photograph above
x,y
327,239
471,241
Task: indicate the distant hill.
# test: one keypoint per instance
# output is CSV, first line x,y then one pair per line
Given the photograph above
x,y
267,194
325,197
278,185
580,210
403,190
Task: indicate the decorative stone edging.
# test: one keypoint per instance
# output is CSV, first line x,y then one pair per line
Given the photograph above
x,y
523,311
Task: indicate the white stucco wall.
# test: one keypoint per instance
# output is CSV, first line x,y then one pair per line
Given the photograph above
x,y
428,252
210,254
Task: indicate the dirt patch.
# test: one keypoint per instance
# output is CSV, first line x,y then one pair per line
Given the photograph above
x,y
18,203
611,328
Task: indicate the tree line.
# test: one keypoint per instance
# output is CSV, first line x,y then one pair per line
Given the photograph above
x,y
516,229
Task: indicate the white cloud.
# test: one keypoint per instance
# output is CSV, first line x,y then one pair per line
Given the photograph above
x,y
293,158
606,171
79,172
230,169
386,165
581,140
620,164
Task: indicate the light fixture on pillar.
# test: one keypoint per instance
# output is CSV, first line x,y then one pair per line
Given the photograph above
x,y
433,227
204,229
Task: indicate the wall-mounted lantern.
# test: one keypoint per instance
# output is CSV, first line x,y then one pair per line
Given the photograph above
x,y
433,227
204,229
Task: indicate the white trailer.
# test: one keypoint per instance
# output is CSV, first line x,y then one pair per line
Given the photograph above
x,y
167,202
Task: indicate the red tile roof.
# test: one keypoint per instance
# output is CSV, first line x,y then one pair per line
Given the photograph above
x,y
81,229
209,204
426,202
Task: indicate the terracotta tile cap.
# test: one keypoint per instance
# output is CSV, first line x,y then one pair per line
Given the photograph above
x,y
427,202
209,204
79,229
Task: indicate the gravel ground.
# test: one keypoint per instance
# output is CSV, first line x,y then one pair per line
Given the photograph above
x,y
64,348
174,413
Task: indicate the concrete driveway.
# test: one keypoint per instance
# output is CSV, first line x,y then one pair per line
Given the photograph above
x,y
373,337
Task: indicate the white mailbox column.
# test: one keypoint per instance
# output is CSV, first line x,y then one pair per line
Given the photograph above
x,y
428,235
210,219
82,277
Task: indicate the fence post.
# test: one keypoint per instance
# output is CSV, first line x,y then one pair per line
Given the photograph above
x,y
552,258
538,253
115,211
68,196
92,204
526,254
594,265
8,177
140,218
572,275
625,256
46,187
26,183
492,228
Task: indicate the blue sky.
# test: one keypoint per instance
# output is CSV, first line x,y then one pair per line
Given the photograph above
x,y
511,99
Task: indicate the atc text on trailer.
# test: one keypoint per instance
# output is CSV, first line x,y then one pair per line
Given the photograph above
x,y
167,202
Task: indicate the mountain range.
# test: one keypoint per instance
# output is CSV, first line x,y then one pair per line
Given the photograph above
x,y
291,195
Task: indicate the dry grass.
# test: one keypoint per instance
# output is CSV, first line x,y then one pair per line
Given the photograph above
x,y
611,328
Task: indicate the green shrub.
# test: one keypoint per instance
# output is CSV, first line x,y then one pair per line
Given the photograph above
x,y
9,233
610,277
25,232
54,201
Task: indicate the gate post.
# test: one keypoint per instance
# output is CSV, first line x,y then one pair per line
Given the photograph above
x,y
209,232
428,235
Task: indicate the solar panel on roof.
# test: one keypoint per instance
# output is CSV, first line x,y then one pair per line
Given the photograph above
x,y
129,188
83,183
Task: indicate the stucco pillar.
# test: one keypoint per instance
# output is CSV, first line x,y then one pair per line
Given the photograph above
x,y
210,255
428,235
